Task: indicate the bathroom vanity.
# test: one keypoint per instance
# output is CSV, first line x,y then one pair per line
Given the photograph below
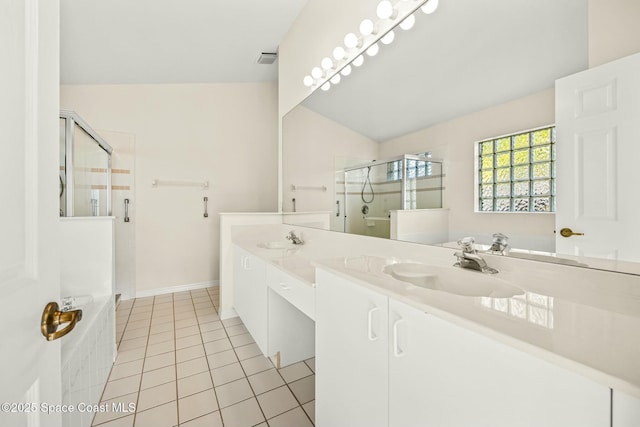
x,y
564,351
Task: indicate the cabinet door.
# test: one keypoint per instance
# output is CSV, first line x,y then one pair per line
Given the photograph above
x,y
250,295
626,410
351,354
442,375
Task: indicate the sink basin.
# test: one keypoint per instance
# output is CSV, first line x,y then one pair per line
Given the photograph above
x,y
546,258
276,244
452,280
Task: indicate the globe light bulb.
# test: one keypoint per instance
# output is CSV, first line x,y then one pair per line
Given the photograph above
x,y
367,27
316,73
388,38
351,41
326,64
373,49
339,53
308,81
430,6
385,10
408,22
358,61
335,79
325,87
346,70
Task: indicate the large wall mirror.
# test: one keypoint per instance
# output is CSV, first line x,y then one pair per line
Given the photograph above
x,y
471,71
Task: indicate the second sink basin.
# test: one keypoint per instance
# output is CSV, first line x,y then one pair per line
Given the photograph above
x,y
276,244
452,280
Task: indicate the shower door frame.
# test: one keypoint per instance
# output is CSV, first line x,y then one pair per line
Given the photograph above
x,y
71,118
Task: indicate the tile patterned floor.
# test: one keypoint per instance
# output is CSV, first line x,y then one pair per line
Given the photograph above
x,y
181,365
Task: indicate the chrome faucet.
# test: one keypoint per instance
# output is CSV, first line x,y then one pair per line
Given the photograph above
x,y
294,239
468,257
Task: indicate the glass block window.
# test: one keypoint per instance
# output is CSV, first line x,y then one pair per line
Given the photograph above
x,y
516,173
415,168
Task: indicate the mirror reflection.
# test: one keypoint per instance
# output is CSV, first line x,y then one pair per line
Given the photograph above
x,y
471,72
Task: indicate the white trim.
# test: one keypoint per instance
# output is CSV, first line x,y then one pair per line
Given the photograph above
x,y
228,314
178,288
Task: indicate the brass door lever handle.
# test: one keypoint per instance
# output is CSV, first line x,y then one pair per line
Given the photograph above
x,y
52,317
567,232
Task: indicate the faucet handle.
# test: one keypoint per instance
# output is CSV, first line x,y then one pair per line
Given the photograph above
x,y
500,238
467,244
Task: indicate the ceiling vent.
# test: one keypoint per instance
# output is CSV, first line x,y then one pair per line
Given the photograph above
x,y
267,58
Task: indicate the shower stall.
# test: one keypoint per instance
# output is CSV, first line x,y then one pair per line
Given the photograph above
x,y
85,169
369,192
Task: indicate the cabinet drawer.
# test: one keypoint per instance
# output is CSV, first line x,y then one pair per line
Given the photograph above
x,y
300,294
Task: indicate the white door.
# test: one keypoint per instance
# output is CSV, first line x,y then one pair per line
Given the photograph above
x,y
351,354
29,261
597,161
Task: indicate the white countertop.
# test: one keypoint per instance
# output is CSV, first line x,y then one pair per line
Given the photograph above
x,y
585,320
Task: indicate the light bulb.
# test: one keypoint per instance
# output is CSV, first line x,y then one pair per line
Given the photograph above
x,y
335,79
351,41
326,63
385,10
325,87
430,6
373,49
316,73
346,70
358,61
308,81
367,27
408,22
339,53
388,38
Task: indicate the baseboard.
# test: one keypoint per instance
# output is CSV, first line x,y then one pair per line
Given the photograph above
x,y
228,314
174,289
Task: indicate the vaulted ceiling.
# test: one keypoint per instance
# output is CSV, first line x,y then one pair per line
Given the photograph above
x,y
171,41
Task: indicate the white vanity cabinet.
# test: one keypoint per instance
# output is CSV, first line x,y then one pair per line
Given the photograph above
x,y
382,363
351,354
276,308
445,375
626,410
250,295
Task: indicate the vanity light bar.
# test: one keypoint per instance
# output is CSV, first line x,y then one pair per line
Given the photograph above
x,y
389,15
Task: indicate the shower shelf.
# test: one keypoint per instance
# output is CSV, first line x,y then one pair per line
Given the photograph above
x,y
308,187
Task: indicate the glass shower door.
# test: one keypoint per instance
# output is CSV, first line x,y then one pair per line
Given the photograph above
x,y
90,165
85,169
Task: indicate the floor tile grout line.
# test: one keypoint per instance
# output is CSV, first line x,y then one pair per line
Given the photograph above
x,y
245,373
175,356
113,366
207,359
135,414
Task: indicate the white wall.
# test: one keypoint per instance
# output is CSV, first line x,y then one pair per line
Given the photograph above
x,y
613,30
314,145
222,133
86,256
